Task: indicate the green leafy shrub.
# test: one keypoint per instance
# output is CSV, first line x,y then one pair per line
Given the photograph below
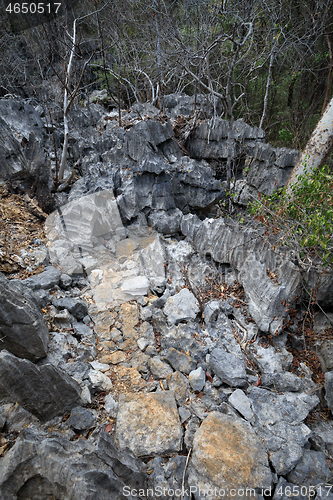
x,y
303,220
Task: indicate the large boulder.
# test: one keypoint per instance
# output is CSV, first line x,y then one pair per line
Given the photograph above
x,y
269,168
211,142
44,391
39,468
22,119
148,424
247,251
186,105
78,227
23,330
21,133
12,159
227,457
279,424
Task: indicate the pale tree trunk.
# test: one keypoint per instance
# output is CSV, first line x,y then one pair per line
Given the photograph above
x,y
66,106
329,78
269,79
317,149
68,96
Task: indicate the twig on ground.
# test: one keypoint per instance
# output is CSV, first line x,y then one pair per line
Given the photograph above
x,y
183,481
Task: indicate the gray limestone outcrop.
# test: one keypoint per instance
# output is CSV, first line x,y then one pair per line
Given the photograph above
x,y
148,424
227,455
159,319
23,329
247,252
279,423
45,391
42,467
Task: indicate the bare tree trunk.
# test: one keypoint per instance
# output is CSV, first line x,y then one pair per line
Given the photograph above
x,y
330,72
269,79
317,149
68,96
159,57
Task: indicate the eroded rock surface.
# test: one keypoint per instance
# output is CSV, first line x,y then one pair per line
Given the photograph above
x,y
226,455
46,391
158,322
148,424
23,329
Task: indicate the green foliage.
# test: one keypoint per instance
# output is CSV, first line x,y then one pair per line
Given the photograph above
x,y
303,220
285,135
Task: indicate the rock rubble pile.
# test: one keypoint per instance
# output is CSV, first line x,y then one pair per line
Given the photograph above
x,y
151,354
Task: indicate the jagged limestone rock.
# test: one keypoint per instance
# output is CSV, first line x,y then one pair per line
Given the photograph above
x,y
23,330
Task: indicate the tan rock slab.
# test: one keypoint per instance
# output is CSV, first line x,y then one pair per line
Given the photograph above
x,y
227,454
114,358
148,424
129,379
104,321
129,317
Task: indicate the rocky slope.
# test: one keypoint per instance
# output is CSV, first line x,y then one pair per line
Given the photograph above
x,y
155,354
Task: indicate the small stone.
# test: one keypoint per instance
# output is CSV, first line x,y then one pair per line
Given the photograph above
x,y
88,263
96,277
229,368
78,308
65,281
99,381
148,424
146,313
115,335
82,419
329,389
184,414
179,384
217,382
77,369
312,469
110,405
47,279
159,368
242,403
85,395
197,379
211,311
82,330
100,367
115,358
63,319
180,361
282,381
269,360
143,343
136,286
151,351
181,307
